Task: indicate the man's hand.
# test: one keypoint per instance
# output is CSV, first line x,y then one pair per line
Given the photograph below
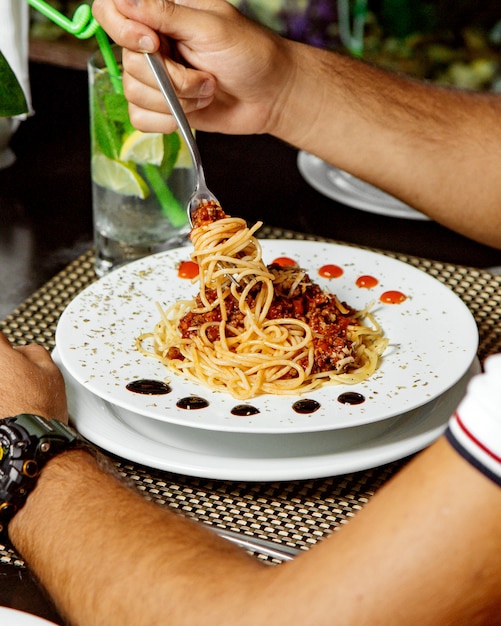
x,y
232,72
30,382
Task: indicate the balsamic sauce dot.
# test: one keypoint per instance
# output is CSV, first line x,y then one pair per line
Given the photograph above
x,y
148,387
192,403
306,406
351,397
243,410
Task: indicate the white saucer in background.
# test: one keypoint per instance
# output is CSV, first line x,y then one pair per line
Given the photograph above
x,y
343,187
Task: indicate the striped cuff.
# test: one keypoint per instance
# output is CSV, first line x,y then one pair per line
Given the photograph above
x,y
475,429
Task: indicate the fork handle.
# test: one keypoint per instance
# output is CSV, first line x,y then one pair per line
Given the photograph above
x,y
257,544
162,77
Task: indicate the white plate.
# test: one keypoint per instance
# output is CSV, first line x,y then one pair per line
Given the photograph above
x,y
250,457
433,341
12,617
343,187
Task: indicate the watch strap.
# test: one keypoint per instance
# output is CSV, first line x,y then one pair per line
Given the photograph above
x,y
27,443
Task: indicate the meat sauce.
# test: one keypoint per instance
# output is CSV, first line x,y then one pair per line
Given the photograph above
x,y
328,318
207,213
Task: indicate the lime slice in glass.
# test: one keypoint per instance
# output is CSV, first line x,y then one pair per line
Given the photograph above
x,y
184,156
118,177
143,148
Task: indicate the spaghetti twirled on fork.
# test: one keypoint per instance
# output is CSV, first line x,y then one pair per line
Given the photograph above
x,y
271,331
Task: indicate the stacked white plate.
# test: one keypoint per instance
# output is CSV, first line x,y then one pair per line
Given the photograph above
x,y
431,355
13,617
350,190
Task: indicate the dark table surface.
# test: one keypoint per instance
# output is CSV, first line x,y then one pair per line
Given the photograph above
x,y
46,218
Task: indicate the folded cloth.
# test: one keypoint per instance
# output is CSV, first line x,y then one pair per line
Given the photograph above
x,y
14,44
14,40
475,429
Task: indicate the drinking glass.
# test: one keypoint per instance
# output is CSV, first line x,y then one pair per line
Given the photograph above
x,y
141,182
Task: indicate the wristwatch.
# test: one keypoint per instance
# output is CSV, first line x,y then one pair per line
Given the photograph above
x,y
27,442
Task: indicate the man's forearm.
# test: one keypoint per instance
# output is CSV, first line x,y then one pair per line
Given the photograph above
x,y
107,556
436,149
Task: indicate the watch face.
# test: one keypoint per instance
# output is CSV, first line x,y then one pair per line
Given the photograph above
x,y
4,463
15,455
12,448
4,446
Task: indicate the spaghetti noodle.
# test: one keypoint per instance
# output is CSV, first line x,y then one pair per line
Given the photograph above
x,y
269,330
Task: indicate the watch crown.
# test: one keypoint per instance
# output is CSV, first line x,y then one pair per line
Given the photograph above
x,y
30,468
7,511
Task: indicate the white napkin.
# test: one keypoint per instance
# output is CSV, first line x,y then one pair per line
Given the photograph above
x,y
14,44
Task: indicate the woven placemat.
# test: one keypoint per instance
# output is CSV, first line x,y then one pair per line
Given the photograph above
x,y
296,513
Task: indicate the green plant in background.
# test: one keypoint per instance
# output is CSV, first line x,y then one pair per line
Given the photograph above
x,y
449,42
310,21
12,99
400,18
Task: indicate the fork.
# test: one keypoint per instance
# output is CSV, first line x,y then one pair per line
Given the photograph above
x,y
265,547
202,193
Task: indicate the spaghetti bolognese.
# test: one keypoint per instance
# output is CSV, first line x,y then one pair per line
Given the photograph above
x,y
259,329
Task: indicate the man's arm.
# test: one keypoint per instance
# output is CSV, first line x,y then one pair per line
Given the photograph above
x,y
437,149
107,556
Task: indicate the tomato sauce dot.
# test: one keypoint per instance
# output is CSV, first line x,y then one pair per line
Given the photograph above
x,y
330,271
283,261
188,269
393,297
366,282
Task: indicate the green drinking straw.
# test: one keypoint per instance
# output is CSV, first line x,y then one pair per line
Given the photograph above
x,y
83,25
